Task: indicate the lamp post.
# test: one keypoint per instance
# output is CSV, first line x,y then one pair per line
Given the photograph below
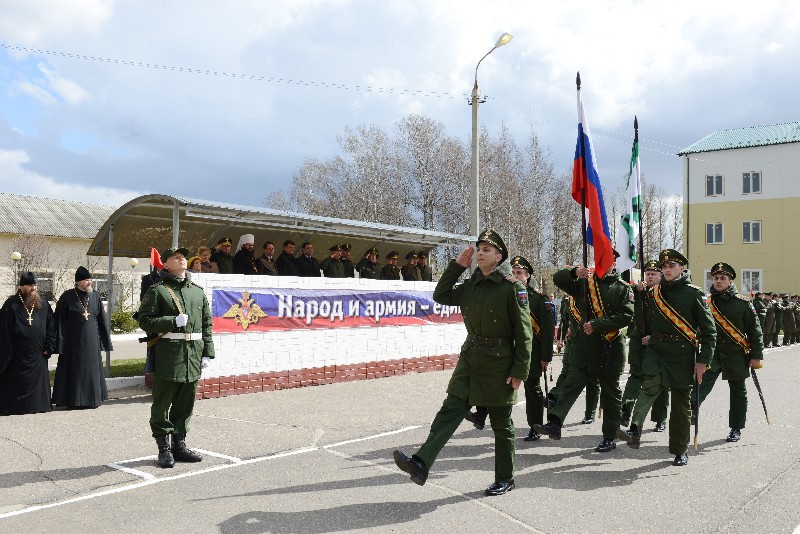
x,y
15,256
133,263
474,102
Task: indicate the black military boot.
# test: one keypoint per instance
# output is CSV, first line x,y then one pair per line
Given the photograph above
x,y
631,437
626,418
607,445
552,429
734,436
413,466
680,460
532,436
165,458
181,452
661,426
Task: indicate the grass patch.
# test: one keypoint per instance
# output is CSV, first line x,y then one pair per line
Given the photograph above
x,y
119,368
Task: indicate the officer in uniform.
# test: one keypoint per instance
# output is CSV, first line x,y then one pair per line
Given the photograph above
x,y
543,330
787,309
494,358
796,308
425,272
679,319
739,345
347,263
760,306
409,271
369,267
598,350
177,311
769,319
222,256
391,271
332,266
639,335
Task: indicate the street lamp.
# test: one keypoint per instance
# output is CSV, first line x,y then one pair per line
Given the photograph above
x,y
133,263
15,256
474,102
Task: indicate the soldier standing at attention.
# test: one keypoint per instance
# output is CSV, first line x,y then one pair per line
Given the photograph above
x,y
347,263
494,358
598,350
679,319
739,345
425,272
543,328
769,321
639,333
178,311
788,320
760,306
391,271
369,267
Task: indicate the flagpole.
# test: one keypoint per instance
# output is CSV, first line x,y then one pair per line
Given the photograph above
x,y
583,212
641,229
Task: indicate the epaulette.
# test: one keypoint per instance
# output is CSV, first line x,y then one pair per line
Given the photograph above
x,y
695,287
742,297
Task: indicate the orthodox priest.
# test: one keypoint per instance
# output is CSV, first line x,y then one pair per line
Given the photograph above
x,y
27,339
82,334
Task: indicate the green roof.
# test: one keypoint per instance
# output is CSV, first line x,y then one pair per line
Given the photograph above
x,y
773,134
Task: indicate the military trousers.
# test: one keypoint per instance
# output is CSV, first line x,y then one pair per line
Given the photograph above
x,y
658,413
610,397
451,414
737,412
173,403
592,391
680,416
534,398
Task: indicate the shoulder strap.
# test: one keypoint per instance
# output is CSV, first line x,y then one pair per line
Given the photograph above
x,y
598,307
734,333
174,298
671,315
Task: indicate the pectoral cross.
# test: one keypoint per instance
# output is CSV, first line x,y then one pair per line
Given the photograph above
x,y
85,315
30,320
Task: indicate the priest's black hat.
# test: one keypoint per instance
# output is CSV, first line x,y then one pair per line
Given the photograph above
x,y
27,279
82,274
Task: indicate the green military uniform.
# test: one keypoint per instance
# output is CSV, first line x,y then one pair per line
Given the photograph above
x,y
347,264
796,307
177,361
224,261
543,330
409,272
787,309
778,319
769,322
425,271
391,272
367,269
730,359
670,357
592,388
332,267
498,346
594,357
761,311
636,350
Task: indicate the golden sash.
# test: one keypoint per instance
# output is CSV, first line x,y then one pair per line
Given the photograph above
x,y
673,316
537,330
598,308
735,334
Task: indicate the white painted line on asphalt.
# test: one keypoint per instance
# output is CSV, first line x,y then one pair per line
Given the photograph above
x,y
131,471
150,479
404,429
220,455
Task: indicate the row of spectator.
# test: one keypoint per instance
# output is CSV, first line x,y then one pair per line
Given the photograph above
x,y
336,265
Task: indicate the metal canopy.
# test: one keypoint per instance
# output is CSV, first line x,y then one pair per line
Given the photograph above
x,y
157,220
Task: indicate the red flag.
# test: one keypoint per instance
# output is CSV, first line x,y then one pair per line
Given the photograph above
x,y
155,259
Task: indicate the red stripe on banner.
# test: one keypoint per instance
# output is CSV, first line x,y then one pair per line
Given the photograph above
x,y
222,325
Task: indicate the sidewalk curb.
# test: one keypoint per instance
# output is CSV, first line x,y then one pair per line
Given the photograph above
x,y
124,382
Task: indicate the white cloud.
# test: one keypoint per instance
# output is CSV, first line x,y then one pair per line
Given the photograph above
x,y
14,178
32,23
773,47
39,93
69,90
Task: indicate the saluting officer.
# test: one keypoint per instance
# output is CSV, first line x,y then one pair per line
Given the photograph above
x,y
543,329
347,263
679,319
177,310
409,271
222,256
598,350
739,345
369,267
639,334
494,358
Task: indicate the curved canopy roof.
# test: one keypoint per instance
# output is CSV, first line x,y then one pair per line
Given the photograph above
x,y
154,220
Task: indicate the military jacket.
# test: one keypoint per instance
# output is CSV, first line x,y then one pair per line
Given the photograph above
x,y
729,356
369,270
769,320
590,351
542,343
349,268
224,262
788,316
494,308
411,273
760,307
177,360
332,268
390,272
425,273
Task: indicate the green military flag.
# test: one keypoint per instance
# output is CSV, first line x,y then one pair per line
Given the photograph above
x,y
629,229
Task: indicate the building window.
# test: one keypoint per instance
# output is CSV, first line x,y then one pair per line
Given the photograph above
x,y
751,182
751,232
751,281
714,185
714,234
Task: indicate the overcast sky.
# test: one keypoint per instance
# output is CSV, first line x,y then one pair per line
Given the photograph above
x,y
225,100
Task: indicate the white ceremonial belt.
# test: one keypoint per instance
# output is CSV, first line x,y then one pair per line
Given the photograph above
x,y
186,336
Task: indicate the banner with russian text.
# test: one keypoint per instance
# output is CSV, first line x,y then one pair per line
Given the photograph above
x,y
287,309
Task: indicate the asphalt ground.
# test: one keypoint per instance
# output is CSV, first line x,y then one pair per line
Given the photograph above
x,y
319,459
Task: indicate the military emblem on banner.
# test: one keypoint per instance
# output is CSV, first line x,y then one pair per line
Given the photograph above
x,y
246,312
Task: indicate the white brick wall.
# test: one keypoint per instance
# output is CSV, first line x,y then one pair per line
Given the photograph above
x,y
264,352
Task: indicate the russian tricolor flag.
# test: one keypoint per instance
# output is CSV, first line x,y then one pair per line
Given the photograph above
x,y
586,179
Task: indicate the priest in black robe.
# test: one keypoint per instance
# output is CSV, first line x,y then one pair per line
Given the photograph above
x,y
82,334
27,339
